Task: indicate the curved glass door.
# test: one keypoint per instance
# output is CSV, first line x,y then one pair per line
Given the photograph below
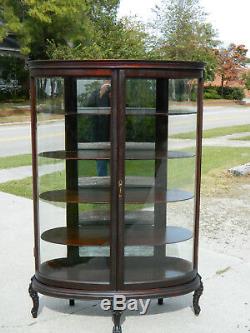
x,y
74,151
159,181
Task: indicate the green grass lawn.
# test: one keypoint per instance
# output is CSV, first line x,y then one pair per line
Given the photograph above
x,y
242,138
22,160
214,132
15,161
48,182
215,159
223,158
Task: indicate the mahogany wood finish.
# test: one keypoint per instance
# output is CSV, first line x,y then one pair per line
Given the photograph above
x,y
160,301
35,298
100,235
173,271
104,154
114,244
70,102
100,195
71,302
198,169
117,321
144,112
34,171
196,297
99,293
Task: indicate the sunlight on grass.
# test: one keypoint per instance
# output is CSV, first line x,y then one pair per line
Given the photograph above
x,y
215,132
216,161
15,161
22,160
242,138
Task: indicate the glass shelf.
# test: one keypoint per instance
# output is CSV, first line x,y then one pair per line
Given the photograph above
x,y
96,270
100,235
103,195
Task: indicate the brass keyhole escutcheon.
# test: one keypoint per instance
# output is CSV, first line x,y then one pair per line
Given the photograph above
x,y
120,184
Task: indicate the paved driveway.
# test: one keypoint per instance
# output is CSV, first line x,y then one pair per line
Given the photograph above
x,y
15,139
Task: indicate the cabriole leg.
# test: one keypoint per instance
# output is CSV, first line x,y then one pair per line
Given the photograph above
x,y
197,294
117,321
160,301
71,302
35,299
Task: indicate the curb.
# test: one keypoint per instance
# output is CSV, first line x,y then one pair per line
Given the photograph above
x,y
28,122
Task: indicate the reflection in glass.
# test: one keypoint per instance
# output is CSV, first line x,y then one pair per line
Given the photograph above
x,y
159,181
94,96
73,137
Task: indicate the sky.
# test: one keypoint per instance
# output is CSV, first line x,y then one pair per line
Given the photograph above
x,y
230,18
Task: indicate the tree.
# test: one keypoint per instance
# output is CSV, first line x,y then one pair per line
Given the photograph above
x,y
246,79
121,39
35,22
76,29
184,34
230,62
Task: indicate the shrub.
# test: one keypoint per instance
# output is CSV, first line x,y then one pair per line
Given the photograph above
x,y
11,93
233,93
211,93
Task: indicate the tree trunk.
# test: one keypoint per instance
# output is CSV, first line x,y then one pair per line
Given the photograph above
x,y
222,85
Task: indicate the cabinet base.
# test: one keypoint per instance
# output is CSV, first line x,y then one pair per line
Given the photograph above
x,y
35,299
195,285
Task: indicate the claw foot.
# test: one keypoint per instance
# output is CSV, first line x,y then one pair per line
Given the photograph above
x,y
197,294
117,321
35,299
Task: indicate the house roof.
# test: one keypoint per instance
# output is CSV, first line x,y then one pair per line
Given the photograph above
x,y
9,46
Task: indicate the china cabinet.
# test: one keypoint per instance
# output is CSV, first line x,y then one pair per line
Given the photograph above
x,y
116,186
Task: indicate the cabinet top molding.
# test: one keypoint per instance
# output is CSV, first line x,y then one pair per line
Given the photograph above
x,y
115,64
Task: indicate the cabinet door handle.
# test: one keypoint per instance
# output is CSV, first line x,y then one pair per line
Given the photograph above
x,y
120,184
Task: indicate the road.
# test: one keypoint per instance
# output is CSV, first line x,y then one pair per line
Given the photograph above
x,y
15,139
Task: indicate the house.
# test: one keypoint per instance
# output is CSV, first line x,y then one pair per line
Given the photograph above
x,y
9,55
10,47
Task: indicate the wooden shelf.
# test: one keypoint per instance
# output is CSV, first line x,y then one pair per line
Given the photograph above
x,y
100,235
88,154
100,195
82,236
154,113
104,154
106,111
148,269
136,269
90,111
180,112
83,269
130,111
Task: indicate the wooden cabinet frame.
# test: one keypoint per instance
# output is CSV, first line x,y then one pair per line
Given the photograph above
x,y
119,72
